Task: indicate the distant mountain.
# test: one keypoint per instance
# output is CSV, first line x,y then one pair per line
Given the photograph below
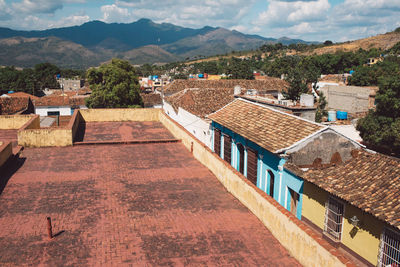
x,y
140,42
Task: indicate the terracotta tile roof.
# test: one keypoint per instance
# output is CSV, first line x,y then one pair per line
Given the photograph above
x,y
22,94
59,101
369,181
13,105
149,100
269,84
201,102
269,128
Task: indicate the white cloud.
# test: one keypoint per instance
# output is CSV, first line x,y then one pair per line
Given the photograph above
x,y
5,12
114,13
190,13
37,6
281,13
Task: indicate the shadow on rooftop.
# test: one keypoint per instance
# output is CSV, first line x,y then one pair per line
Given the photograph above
x,y
80,133
8,169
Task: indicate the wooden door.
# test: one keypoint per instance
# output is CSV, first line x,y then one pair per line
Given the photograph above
x,y
252,166
227,148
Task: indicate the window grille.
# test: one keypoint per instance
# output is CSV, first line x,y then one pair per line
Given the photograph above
x,y
334,218
389,249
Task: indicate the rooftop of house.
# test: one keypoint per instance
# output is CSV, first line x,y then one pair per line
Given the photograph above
x,y
13,105
269,128
270,100
201,102
59,101
369,181
148,204
150,100
269,84
22,94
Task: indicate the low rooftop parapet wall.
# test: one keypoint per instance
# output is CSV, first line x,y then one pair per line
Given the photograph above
x,y
120,114
293,234
8,122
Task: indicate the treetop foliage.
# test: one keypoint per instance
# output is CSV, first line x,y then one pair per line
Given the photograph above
x,y
114,85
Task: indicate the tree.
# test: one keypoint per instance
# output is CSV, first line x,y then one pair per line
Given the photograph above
x,y
297,84
380,129
114,85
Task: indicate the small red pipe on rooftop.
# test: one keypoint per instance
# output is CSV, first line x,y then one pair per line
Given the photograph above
x,y
49,228
191,148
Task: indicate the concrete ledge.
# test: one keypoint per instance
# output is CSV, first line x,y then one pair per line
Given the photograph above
x,y
5,152
300,240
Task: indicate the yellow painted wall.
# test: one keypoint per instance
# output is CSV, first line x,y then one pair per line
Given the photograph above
x,y
45,137
116,114
299,244
5,152
314,204
365,242
14,121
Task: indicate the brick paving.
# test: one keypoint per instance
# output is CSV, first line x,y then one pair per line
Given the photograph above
x,y
126,205
122,131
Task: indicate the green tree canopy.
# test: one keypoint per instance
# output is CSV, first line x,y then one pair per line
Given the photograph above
x,y
380,129
297,84
114,85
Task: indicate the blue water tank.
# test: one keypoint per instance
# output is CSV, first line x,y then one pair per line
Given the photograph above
x,y
352,71
10,92
201,75
331,115
341,115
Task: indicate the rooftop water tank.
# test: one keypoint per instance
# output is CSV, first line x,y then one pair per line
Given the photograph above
x,y
331,115
237,90
341,115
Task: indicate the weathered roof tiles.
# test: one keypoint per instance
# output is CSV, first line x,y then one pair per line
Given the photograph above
x,y
269,128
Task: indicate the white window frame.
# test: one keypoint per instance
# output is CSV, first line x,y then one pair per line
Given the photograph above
x,y
394,255
332,233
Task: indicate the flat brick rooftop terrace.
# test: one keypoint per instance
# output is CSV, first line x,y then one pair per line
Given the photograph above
x,y
126,205
8,135
122,131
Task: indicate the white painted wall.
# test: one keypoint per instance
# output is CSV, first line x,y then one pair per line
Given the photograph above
x,y
200,128
64,110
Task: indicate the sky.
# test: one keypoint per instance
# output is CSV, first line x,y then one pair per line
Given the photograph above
x,y
311,20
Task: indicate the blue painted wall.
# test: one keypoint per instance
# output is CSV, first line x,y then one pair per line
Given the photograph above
x,y
266,161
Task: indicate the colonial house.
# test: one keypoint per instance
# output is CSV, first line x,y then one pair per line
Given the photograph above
x,y
355,206
258,141
346,193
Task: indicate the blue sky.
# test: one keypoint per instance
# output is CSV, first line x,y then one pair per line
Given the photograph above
x,y
313,20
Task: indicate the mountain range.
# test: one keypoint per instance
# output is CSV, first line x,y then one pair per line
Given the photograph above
x,y
139,42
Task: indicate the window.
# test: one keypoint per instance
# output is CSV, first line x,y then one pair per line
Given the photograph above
x,y
294,200
53,113
334,218
252,165
389,249
227,148
271,182
217,141
241,158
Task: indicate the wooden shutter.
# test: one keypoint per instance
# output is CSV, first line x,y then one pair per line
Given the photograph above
x,y
252,166
294,199
217,141
227,148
